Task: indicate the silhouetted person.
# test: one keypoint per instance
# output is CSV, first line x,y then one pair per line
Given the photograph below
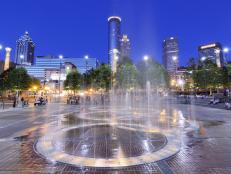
x,y
14,102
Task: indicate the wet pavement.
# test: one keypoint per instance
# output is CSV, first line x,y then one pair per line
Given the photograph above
x,y
207,149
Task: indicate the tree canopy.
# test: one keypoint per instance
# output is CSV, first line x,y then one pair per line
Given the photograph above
x,y
73,81
18,79
209,76
153,72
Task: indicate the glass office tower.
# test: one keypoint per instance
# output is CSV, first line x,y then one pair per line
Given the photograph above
x,y
212,52
171,55
114,36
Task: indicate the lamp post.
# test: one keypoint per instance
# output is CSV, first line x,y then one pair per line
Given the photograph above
x,y
60,68
86,61
3,83
146,58
1,47
226,51
86,57
202,60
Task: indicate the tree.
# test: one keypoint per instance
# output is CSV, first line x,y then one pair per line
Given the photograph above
x,y
4,84
229,74
102,77
89,77
209,76
73,81
199,79
19,80
153,72
14,79
125,60
126,75
99,78
4,80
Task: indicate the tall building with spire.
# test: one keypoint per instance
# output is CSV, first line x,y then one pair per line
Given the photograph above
x,y
125,46
24,50
114,35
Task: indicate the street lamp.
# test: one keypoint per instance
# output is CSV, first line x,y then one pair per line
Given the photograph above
x,y
174,58
226,51
181,83
60,68
60,56
146,58
203,59
86,61
86,57
35,88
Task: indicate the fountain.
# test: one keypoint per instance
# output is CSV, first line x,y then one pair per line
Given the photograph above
x,y
136,127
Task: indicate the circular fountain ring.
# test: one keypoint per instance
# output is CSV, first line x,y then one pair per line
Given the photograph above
x,y
153,146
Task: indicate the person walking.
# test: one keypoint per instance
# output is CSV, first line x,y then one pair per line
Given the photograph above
x,y
14,102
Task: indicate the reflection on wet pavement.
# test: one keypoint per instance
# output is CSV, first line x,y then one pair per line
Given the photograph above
x,y
108,142
207,153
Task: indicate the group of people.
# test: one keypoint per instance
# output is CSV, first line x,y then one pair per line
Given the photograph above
x,y
41,101
24,102
73,100
88,99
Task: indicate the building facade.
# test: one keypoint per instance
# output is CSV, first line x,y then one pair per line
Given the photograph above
x,y
171,55
24,50
114,35
81,64
46,63
212,52
125,47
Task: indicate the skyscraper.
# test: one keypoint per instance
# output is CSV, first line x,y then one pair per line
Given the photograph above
x,y
114,40
125,46
171,55
212,52
7,59
24,50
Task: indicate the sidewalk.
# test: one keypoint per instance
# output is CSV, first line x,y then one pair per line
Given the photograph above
x,y
202,102
15,109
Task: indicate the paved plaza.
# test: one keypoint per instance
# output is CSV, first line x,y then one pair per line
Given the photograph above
x,y
205,146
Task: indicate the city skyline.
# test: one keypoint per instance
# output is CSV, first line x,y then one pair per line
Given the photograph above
x,y
78,33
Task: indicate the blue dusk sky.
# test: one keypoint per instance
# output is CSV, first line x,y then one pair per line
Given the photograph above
x,y
75,28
